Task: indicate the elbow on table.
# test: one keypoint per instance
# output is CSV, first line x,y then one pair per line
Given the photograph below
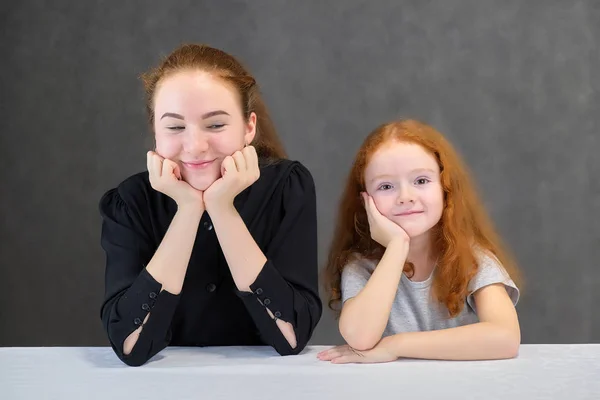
x,y
133,357
509,344
360,341
134,361
512,347
285,349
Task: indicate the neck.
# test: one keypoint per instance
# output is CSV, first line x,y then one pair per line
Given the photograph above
x,y
422,255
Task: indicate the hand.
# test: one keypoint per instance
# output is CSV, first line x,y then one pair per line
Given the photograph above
x,y
383,230
238,172
346,354
165,177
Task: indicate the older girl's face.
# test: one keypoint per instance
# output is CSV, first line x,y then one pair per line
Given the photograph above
x,y
198,121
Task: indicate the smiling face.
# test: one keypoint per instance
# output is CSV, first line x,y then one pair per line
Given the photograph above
x,y
198,121
404,181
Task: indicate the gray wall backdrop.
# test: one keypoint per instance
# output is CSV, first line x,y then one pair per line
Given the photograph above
x,y
514,84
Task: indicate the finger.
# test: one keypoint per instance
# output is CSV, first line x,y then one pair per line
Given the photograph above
x,y
169,169
156,165
373,208
369,209
240,161
325,352
330,355
149,160
228,166
334,352
250,155
252,161
176,171
346,359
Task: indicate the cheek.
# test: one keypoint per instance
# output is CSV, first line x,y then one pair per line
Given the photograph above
x,y
168,147
436,203
383,203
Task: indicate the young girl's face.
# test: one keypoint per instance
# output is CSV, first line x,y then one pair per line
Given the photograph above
x,y
198,121
404,181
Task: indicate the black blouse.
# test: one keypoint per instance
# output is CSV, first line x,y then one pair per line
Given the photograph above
x,y
279,210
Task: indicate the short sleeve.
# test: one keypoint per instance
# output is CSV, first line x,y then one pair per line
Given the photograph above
x,y
491,272
355,276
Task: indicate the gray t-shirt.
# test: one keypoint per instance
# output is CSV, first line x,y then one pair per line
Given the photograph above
x,y
414,309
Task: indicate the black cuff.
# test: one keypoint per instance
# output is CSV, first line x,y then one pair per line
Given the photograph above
x,y
273,292
139,299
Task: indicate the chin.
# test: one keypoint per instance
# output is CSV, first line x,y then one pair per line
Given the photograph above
x,y
200,184
413,231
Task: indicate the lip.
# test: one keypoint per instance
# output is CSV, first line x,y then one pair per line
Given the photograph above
x,y
197,164
408,213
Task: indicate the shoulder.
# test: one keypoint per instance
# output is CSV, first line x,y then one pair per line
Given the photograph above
x,y
488,264
358,266
130,195
286,182
285,171
490,271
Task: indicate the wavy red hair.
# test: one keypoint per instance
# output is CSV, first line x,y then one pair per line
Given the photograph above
x,y
463,226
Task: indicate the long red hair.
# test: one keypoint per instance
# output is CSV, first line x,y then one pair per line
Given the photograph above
x,y
463,226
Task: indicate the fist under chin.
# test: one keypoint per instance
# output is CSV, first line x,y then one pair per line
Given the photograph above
x,y
200,182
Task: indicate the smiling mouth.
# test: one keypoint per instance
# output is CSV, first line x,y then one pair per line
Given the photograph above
x,y
197,164
408,213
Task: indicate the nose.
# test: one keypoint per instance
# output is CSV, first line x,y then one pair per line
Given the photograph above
x,y
197,142
405,195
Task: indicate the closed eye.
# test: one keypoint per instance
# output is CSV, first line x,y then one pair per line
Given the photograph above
x,y
215,126
175,128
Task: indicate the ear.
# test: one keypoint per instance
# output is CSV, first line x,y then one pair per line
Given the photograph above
x,y
250,129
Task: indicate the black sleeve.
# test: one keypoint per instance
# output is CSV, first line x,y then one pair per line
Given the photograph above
x,y
288,282
130,291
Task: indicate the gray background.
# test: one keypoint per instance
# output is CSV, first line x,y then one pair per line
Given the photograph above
x,y
514,84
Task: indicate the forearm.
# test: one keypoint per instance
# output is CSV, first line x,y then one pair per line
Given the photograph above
x,y
170,261
479,341
245,259
364,317
169,264
124,314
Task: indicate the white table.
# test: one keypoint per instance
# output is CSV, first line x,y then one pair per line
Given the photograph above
x,y
540,372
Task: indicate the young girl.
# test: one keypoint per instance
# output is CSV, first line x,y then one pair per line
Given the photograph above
x,y
415,260
216,244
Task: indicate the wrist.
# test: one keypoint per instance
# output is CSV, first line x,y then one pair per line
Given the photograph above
x,y
398,243
221,208
392,345
192,211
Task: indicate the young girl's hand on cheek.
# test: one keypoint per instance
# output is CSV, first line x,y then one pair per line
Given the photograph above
x,y
383,230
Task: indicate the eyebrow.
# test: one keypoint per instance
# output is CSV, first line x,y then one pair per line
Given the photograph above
x,y
419,170
423,170
204,116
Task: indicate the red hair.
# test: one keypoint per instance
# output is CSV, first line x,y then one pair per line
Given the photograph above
x,y
464,224
230,70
